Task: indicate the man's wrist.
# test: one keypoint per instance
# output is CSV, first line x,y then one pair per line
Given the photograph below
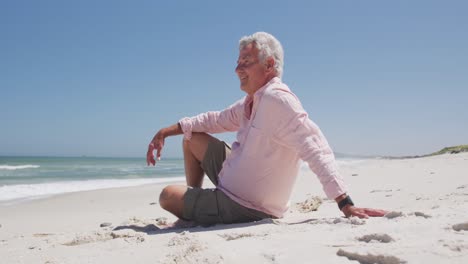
x,y
162,133
170,130
345,202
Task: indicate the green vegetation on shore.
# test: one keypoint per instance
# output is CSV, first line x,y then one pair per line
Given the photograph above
x,y
446,150
451,150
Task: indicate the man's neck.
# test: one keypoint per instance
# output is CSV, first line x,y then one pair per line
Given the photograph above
x,y
263,85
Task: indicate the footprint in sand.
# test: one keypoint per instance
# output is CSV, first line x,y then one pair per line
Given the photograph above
x,y
369,258
393,214
128,236
188,249
137,221
88,238
270,257
461,226
309,205
457,246
42,234
382,238
421,214
104,236
375,191
351,220
235,236
182,239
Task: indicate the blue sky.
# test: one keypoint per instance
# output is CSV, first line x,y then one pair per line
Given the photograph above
x,y
99,78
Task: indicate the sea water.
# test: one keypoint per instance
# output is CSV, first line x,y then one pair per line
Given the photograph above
x,y
33,177
23,178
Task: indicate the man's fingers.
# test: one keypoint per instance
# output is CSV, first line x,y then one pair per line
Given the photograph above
x,y
148,159
363,212
355,211
158,153
151,161
150,156
375,212
359,214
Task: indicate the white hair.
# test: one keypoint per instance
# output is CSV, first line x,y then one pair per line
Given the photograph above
x,y
268,46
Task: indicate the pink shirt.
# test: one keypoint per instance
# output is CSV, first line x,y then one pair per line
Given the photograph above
x,y
264,161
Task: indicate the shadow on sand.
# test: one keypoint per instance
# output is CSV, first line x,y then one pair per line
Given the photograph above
x,y
152,229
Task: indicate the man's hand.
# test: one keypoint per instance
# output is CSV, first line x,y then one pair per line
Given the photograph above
x,y
350,210
156,144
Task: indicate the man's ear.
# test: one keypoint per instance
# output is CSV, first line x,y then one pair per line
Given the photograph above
x,y
270,63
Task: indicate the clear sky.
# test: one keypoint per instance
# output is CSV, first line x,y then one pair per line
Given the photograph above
x,y
99,78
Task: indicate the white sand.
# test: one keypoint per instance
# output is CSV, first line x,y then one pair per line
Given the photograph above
x,y
429,197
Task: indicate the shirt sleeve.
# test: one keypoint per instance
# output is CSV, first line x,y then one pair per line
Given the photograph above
x,y
297,131
227,120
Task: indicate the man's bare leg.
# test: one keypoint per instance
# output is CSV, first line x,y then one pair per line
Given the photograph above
x,y
194,152
172,196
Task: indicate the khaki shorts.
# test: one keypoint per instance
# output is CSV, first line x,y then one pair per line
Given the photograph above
x,y
211,206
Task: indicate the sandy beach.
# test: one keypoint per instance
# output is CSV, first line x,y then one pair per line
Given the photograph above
x,y
428,223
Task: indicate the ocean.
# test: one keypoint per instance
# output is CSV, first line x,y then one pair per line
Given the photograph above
x,y
35,177
24,178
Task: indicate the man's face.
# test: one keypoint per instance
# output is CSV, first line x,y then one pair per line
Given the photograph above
x,y
251,72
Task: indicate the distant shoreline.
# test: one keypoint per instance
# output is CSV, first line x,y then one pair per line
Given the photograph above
x,y
446,150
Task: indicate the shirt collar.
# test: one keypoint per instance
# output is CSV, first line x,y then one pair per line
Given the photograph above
x,y
249,99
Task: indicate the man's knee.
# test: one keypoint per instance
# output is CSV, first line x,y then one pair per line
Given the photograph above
x,y
171,197
165,197
197,145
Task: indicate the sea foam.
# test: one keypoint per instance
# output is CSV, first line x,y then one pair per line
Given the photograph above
x,y
18,167
40,190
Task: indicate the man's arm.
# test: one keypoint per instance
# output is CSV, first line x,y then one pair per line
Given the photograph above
x,y
157,143
227,120
210,122
297,131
